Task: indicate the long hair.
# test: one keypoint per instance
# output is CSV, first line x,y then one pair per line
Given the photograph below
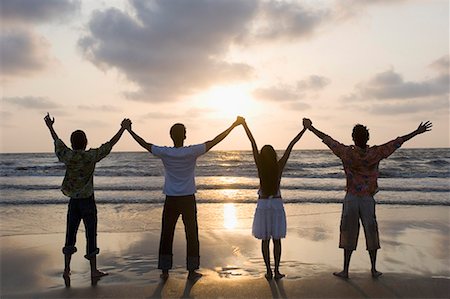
x,y
268,171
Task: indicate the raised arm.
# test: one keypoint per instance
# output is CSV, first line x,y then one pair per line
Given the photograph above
x,y
49,122
423,127
252,141
209,144
288,150
142,142
308,124
119,133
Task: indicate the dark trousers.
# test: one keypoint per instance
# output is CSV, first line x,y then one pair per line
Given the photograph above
x,y
173,207
86,210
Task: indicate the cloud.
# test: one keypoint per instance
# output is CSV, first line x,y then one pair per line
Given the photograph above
x,y
22,52
390,85
99,108
293,95
345,9
389,93
172,49
287,20
276,93
30,102
411,106
313,82
37,11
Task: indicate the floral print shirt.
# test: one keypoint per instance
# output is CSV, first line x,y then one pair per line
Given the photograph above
x,y
80,165
361,164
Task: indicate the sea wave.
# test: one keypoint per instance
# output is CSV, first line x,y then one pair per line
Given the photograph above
x,y
159,201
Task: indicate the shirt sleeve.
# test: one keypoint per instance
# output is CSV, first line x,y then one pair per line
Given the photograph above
x,y
158,151
385,150
103,151
337,148
62,151
198,150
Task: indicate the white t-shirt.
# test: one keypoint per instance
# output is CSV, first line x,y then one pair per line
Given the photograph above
x,y
179,165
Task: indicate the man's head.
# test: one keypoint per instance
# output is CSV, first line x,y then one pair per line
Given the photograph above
x,y
78,140
178,133
360,135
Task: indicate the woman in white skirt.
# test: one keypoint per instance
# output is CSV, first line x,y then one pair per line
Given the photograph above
x,y
270,219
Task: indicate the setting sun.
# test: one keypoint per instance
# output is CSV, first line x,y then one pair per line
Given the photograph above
x,y
230,101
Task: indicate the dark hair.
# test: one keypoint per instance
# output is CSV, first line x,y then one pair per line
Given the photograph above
x,y
268,171
177,132
360,135
78,140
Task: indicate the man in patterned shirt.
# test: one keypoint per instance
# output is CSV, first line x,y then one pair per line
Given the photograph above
x,y
361,170
78,184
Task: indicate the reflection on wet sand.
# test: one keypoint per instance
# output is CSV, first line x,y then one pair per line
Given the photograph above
x,y
414,241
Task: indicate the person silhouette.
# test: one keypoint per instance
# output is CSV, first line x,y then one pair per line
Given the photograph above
x,y
179,187
78,185
361,169
269,221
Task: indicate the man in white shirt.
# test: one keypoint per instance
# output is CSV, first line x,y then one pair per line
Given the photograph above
x,y
179,187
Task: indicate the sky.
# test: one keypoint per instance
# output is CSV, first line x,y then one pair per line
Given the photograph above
x,y
90,64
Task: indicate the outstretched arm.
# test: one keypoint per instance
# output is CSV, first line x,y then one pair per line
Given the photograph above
x,y
221,136
142,142
285,157
49,122
423,127
116,137
308,124
253,142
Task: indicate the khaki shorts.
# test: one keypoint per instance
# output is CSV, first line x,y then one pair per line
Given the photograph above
x,y
355,208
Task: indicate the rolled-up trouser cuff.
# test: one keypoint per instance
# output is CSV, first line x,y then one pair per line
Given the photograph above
x,y
165,262
192,263
69,249
92,254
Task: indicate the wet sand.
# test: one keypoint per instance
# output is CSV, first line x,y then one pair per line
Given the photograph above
x,y
414,257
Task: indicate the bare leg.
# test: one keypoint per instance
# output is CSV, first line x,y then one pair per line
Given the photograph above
x,y
266,256
373,261
94,271
347,256
66,274
67,258
277,257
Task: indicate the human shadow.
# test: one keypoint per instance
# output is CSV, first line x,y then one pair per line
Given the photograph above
x,y
277,288
188,287
158,291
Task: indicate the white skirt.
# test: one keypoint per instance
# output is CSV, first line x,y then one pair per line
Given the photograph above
x,y
270,219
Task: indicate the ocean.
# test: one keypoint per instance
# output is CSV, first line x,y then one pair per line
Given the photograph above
x,y
408,177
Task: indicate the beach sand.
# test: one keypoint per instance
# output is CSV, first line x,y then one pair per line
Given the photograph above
x,y
414,257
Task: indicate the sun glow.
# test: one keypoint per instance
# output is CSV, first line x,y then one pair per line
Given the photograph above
x,y
230,101
229,216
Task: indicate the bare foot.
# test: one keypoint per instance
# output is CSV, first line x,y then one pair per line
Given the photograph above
x,y
279,275
268,275
193,275
97,274
164,275
341,274
376,274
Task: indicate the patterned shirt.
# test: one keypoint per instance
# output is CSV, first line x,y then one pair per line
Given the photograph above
x,y
80,165
361,164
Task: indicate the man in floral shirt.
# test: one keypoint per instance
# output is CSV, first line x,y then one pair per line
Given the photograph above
x,y
361,170
78,184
